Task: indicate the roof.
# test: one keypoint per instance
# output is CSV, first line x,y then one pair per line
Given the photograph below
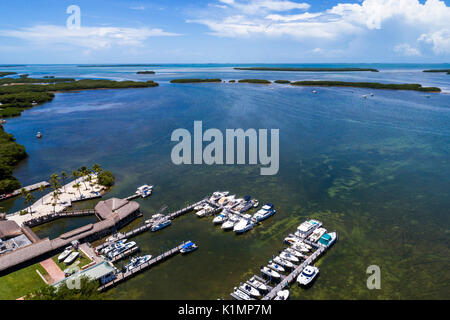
x,y
9,229
95,272
115,207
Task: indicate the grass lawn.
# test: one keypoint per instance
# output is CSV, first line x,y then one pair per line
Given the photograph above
x,y
80,262
19,283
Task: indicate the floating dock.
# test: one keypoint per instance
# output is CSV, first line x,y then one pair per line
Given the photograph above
x,y
125,254
57,215
30,188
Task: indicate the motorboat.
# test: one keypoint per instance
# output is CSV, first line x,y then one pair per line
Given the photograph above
x,y
276,267
243,225
317,234
217,195
283,262
270,273
221,218
295,253
328,239
72,257
308,275
65,254
241,294
203,212
155,218
121,249
144,191
287,256
257,284
224,200
231,222
265,212
199,207
39,135
249,290
161,224
188,247
314,91
113,246
307,227
300,247
137,261
255,203
291,240
282,295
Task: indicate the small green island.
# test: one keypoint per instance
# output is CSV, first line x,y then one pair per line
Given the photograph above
x,y
371,85
4,74
438,70
257,81
194,80
282,81
306,69
145,72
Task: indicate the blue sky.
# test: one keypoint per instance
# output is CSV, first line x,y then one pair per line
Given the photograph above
x,y
226,31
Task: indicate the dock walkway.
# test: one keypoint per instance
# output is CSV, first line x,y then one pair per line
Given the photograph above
x,y
57,215
29,188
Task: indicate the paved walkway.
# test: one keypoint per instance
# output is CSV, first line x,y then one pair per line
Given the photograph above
x,y
90,253
53,270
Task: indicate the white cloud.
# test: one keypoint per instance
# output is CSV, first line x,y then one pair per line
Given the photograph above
x,y
137,8
255,6
87,37
406,50
439,39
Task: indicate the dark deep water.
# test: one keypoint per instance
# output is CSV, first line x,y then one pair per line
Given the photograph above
x,y
376,170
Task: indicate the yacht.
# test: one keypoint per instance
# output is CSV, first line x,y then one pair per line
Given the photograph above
x,y
231,222
317,234
307,227
71,257
276,267
217,195
300,248
328,239
308,275
65,254
291,240
155,218
206,209
241,294
161,224
282,295
270,273
122,248
221,218
224,200
284,262
287,256
244,225
257,284
188,247
136,262
144,191
249,290
295,253
265,212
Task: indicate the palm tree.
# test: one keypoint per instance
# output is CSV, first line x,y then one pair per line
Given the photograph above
x,y
64,177
42,189
54,181
29,199
77,186
23,194
55,198
96,168
84,172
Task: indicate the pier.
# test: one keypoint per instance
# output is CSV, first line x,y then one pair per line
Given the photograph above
x,y
123,276
125,254
57,215
29,188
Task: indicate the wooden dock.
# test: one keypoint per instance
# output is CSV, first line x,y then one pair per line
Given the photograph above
x,y
29,188
123,276
57,215
125,254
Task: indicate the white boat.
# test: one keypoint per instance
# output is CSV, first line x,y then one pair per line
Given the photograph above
x,y
144,191
249,290
203,212
300,247
39,135
255,203
287,256
221,218
231,222
72,257
317,234
188,247
136,262
257,284
306,227
265,212
295,253
161,224
291,240
364,96
199,207
243,225
270,273
65,254
283,262
328,239
121,249
241,294
217,195
314,91
276,267
224,200
307,276
155,218
113,246
282,295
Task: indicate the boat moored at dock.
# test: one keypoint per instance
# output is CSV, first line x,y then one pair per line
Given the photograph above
x,y
161,224
249,290
136,262
245,224
144,191
307,227
270,273
282,295
265,212
328,239
188,247
308,275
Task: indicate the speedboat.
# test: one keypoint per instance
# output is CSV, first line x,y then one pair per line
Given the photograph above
x,y
265,212
270,273
154,218
241,294
276,267
287,256
282,295
307,227
121,249
203,212
307,276
300,247
291,240
39,135
65,254
136,262
72,257
283,262
243,225
249,290
231,222
295,253
144,191
188,247
317,234
257,284
113,246
221,218
328,239
161,224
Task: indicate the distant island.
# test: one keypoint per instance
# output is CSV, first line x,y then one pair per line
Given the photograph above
x,y
372,85
3,74
438,70
194,80
306,69
282,81
258,81
115,65
145,72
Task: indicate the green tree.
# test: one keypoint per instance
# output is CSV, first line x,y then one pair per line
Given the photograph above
x,y
64,177
88,290
42,189
96,168
29,200
55,198
78,187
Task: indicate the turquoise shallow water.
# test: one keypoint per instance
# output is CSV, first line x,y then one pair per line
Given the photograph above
x,y
376,170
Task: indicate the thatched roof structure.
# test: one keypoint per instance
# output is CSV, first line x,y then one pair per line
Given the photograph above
x,y
9,229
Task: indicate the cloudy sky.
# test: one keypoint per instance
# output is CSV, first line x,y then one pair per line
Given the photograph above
x,y
234,31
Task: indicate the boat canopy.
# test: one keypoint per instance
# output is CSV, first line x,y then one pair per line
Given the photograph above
x,y
325,239
187,245
247,198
